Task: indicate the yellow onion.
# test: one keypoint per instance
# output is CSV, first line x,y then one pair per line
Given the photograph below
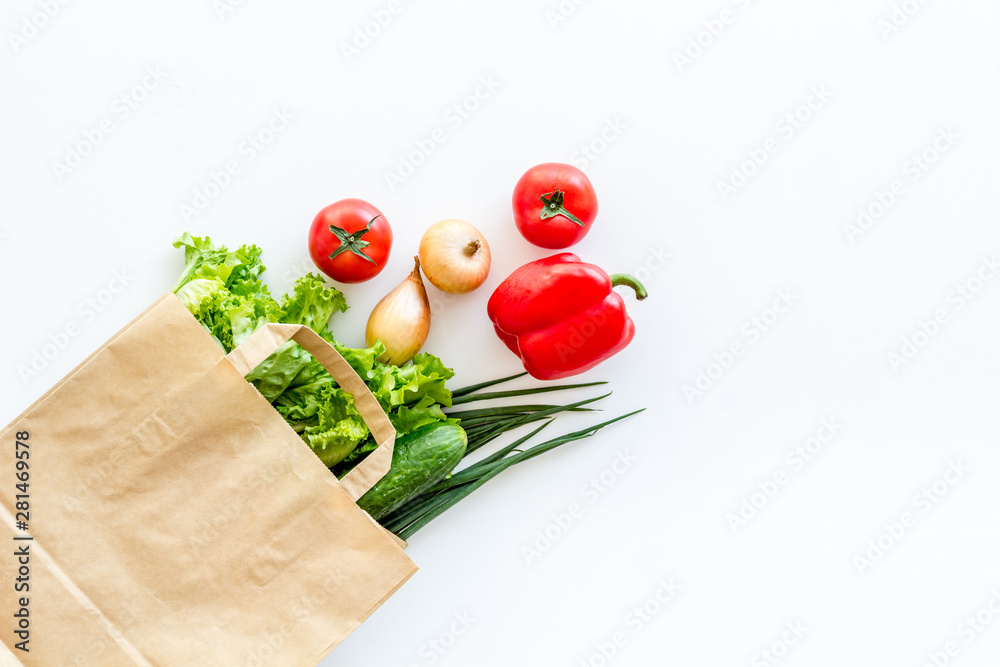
x,y
455,256
401,320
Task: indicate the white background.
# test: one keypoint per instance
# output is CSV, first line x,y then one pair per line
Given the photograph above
x,y
685,126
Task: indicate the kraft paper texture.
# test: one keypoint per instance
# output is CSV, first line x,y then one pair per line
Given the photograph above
x,y
177,519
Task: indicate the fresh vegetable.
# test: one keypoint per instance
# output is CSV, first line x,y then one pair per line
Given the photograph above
x,y
401,320
416,513
455,256
350,241
224,291
554,205
420,460
561,317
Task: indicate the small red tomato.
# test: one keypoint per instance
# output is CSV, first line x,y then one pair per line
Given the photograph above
x,y
554,205
350,241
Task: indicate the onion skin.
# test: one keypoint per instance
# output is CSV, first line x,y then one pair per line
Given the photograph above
x,y
455,256
401,320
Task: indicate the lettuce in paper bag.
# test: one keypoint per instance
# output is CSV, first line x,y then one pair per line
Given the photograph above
x,y
225,293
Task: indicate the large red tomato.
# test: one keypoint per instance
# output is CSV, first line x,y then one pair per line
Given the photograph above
x,y
554,205
350,241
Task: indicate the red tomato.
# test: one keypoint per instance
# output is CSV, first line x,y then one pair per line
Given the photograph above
x,y
350,241
554,205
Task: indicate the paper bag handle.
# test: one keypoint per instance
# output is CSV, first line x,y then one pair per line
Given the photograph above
x,y
266,340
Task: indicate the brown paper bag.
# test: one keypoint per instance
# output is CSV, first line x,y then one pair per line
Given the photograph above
x,y
173,517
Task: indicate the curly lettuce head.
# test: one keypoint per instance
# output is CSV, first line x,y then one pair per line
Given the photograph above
x,y
224,290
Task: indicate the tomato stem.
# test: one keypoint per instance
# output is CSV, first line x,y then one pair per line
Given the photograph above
x,y
353,241
555,205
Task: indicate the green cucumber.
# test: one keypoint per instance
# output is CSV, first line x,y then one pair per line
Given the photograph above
x,y
420,460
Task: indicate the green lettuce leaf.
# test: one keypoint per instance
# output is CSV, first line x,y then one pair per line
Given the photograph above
x,y
203,296
312,303
339,427
225,292
407,419
334,444
426,376
202,259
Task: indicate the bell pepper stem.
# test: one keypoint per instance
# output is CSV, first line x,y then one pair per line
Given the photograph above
x,y
618,279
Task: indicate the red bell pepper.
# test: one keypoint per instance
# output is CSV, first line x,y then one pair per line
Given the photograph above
x,y
561,316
